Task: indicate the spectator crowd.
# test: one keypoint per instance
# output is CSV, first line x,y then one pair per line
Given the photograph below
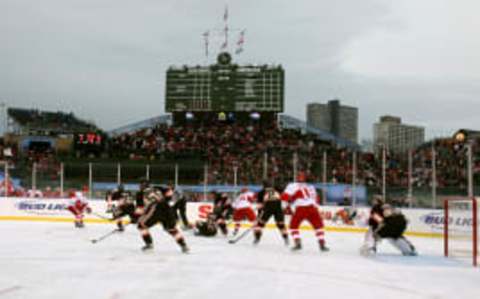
x,y
248,153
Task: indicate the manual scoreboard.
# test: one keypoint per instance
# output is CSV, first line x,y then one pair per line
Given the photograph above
x,y
225,87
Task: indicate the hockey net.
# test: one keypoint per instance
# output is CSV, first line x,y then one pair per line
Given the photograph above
x,y
461,228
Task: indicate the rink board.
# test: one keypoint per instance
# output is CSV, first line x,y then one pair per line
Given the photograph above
x,y
422,222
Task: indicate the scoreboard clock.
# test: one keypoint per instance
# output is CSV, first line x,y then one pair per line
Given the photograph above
x,y
224,58
89,139
89,143
225,86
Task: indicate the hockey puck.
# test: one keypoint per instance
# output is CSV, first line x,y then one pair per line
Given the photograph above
x,y
94,241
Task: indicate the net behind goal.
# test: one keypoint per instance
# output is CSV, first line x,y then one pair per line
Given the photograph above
x,y
461,227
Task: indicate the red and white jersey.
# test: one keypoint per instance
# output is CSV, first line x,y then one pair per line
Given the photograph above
x,y
300,194
244,200
78,200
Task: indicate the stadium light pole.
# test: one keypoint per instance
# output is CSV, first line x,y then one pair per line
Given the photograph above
x,y
5,179
235,173
410,187
34,176
354,178
434,176
324,177
147,172
62,173
119,174
265,165
205,181
324,168
295,161
90,180
176,175
470,170
384,173
3,106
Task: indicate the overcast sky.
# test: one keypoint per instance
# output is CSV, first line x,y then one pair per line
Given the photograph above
x,y
105,60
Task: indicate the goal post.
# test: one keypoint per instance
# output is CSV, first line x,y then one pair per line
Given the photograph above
x,y
461,228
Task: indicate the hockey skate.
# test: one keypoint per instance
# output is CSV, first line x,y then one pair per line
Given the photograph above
x,y
412,253
185,249
120,227
323,247
187,227
147,247
367,250
224,231
297,246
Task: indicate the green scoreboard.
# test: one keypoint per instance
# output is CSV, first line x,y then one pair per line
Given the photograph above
x,y
225,86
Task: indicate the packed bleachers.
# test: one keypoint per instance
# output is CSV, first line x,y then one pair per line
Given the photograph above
x,y
225,146
258,150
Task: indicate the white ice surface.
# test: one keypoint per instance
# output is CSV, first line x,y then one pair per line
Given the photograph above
x,y
55,260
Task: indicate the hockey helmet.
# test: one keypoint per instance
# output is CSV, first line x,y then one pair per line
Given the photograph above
x,y
301,176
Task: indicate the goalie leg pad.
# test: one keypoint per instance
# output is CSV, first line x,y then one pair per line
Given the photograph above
x,y
405,247
369,246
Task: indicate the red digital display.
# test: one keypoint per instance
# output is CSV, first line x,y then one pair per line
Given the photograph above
x,y
89,139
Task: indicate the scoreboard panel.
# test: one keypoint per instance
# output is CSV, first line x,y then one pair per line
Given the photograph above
x,y
225,87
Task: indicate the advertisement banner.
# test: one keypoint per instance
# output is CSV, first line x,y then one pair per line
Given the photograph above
x,y
421,222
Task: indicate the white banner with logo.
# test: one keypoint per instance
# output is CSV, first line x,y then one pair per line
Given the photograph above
x,y
422,222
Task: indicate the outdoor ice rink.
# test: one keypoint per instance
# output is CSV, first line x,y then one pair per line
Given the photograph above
x,y
55,260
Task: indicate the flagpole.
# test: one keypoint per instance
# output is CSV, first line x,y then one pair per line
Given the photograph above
x,y
225,19
206,36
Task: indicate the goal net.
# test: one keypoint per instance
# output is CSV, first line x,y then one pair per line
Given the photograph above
x,y
461,227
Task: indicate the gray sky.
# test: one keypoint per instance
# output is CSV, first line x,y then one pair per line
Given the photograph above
x,y
105,60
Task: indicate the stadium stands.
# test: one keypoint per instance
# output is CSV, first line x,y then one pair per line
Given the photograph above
x,y
255,151
27,120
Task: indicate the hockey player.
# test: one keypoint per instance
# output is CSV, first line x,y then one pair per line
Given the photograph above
x,y
221,209
369,245
389,224
206,228
347,214
269,204
78,205
377,209
158,210
124,206
243,209
111,197
180,207
302,197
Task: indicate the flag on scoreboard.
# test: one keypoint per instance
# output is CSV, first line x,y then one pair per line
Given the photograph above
x,y
225,14
225,43
205,38
240,42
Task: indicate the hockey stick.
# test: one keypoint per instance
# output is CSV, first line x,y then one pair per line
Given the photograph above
x,y
241,236
102,217
101,238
